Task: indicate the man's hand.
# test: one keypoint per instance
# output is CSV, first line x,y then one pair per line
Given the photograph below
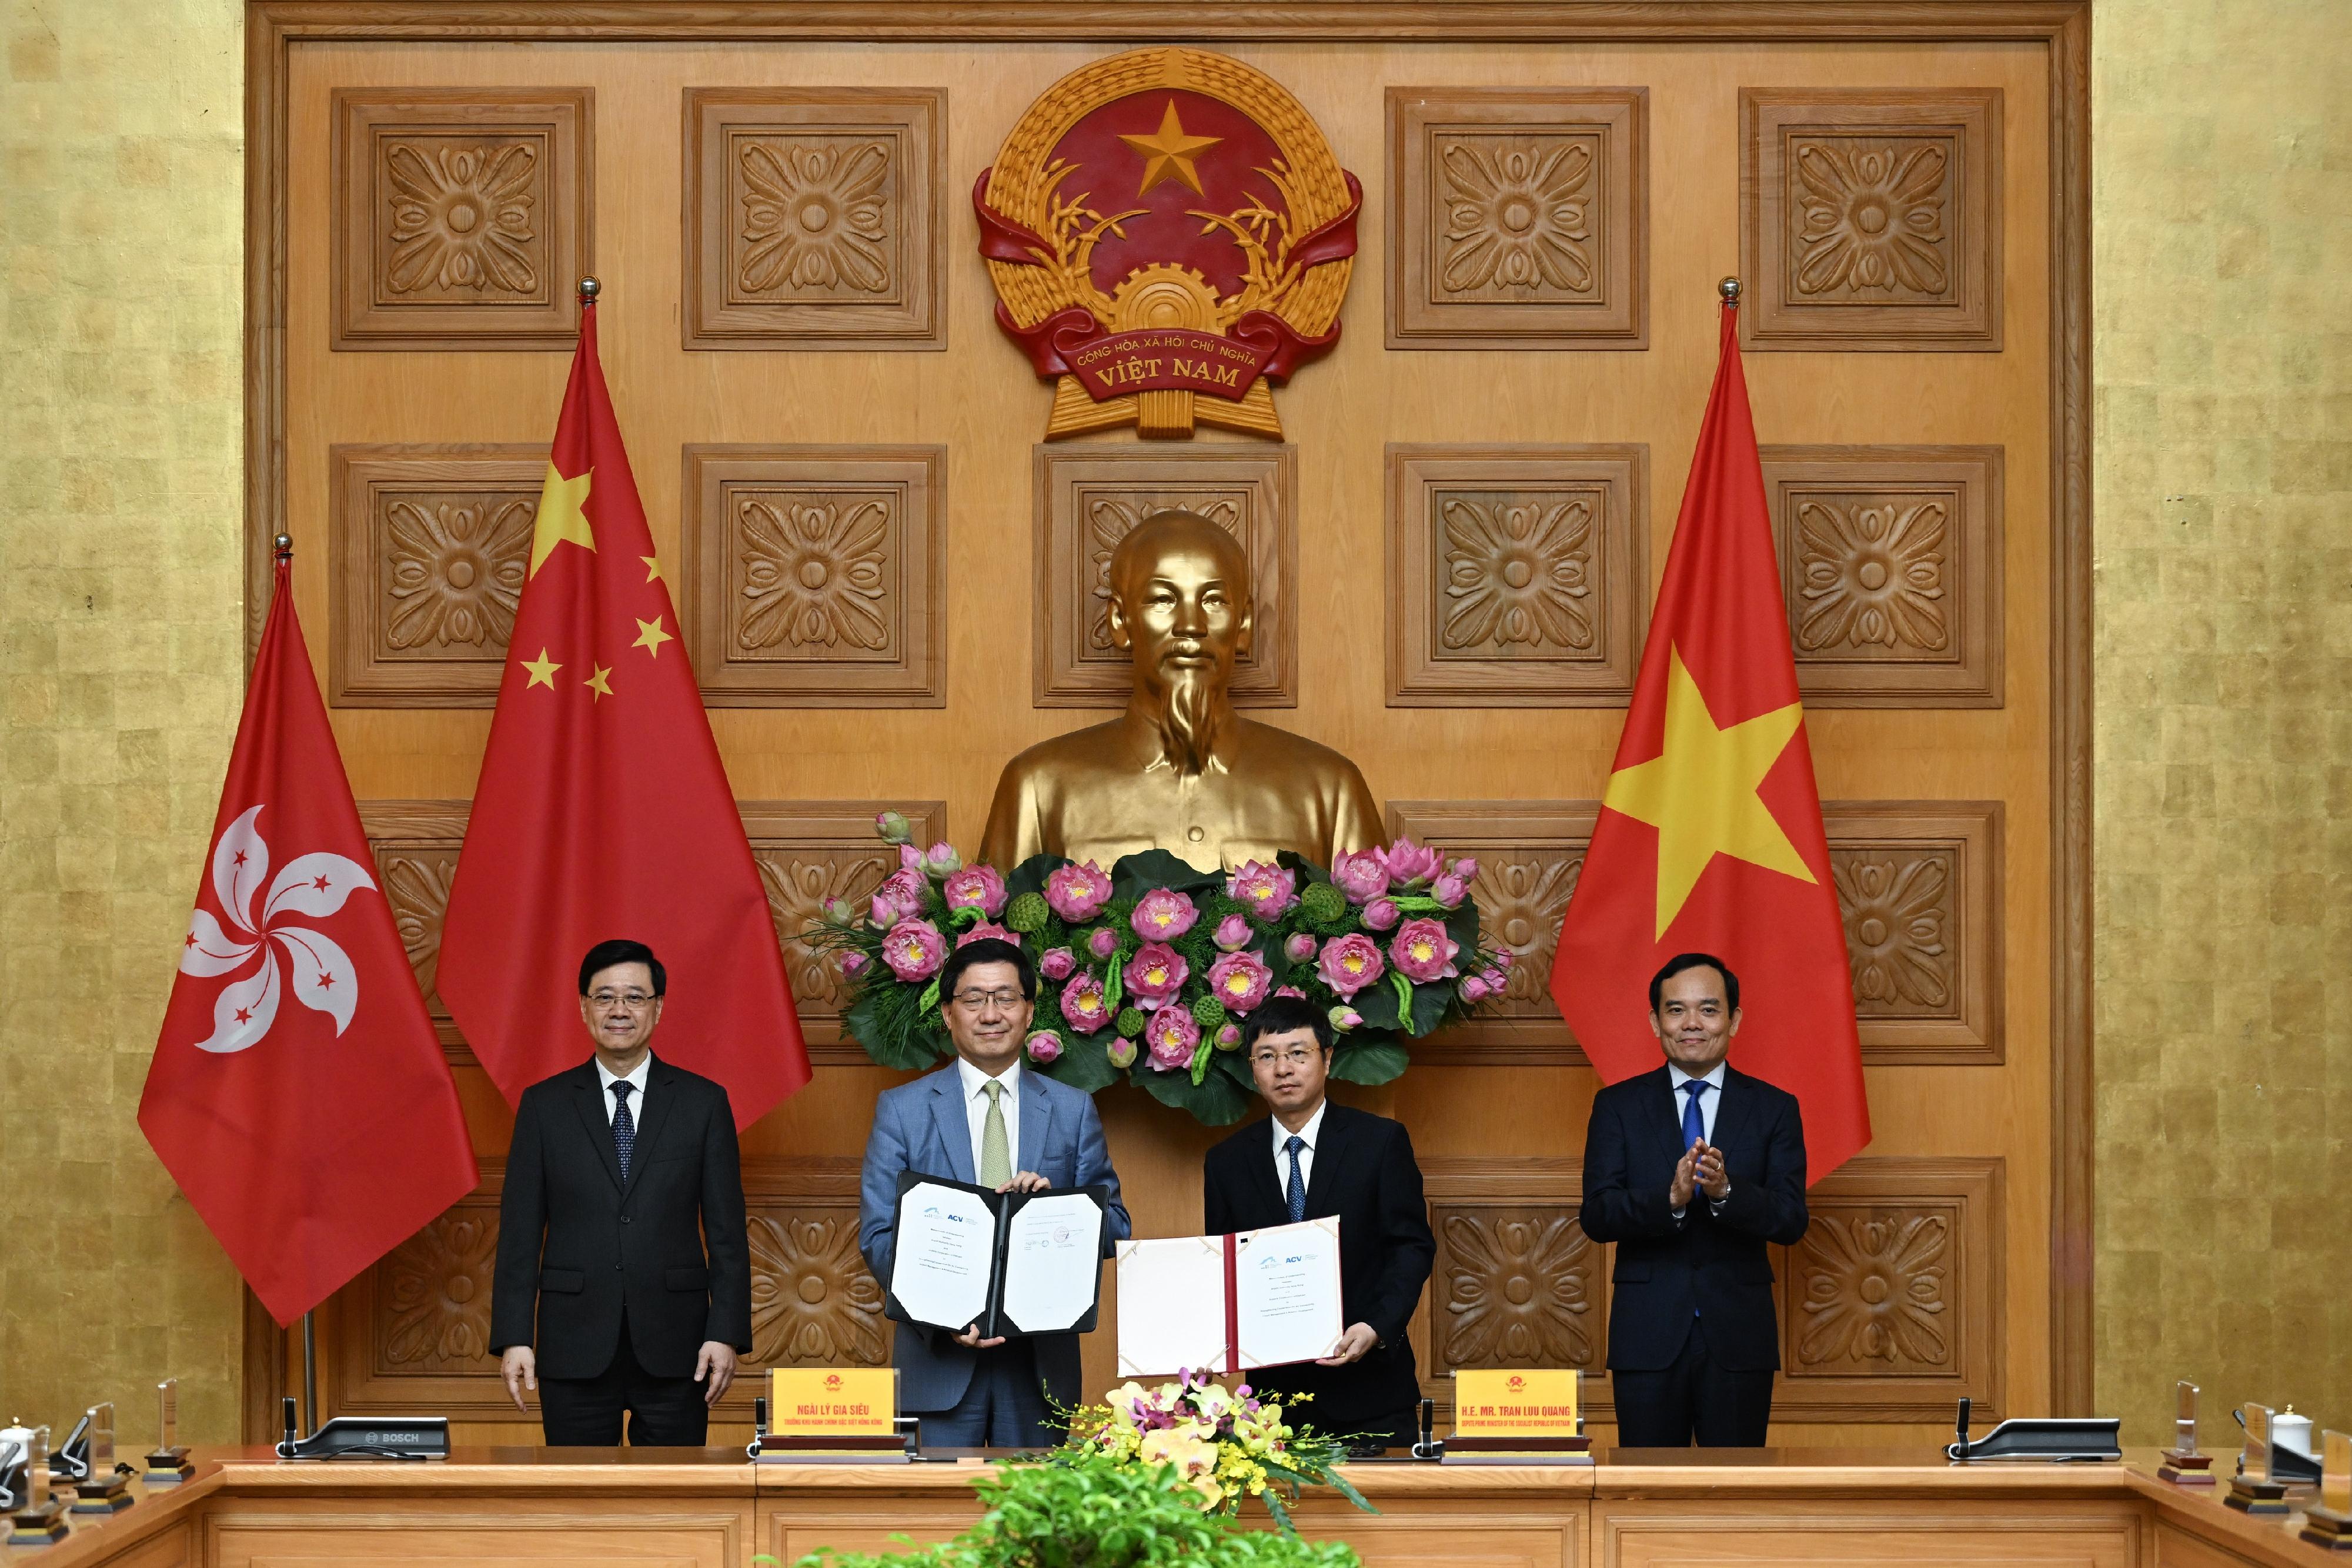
x,y
1712,1178
1027,1181
1685,1178
717,1361
1352,1346
519,1367
969,1339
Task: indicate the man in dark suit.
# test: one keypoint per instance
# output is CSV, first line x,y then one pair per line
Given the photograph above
x,y
1312,1158
623,1171
1690,1170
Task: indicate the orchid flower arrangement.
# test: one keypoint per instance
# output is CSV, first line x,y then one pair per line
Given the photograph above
x,y
1150,970
1226,1445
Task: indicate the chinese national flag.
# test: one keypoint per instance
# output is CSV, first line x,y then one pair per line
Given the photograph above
x,y
298,1094
1709,837
603,809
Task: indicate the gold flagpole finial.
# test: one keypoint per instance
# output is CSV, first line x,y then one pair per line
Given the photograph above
x,y
1729,289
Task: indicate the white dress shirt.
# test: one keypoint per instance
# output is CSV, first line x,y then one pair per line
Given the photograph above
x,y
1710,1099
975,1108
637,1079
1311,1131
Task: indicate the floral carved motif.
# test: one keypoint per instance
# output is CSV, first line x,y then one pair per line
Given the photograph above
x,y
1519,218
417,886
1521,898
1518,573
1515,1290
436,1306
461,213
798,889
1874,1291
1110,519
1899,922
814,216
1870,215
453,568
815,571
812,1299
1871,572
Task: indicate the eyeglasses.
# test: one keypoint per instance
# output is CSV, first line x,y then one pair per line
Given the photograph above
x,y
636,1001
977,1001
1296,1056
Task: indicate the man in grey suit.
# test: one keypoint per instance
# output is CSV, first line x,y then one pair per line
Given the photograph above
x,y
984,1121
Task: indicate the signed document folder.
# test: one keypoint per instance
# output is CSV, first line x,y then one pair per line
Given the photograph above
x,y
1228,1304
1012,1262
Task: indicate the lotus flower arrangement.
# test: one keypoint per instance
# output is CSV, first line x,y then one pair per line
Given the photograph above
x,y
1150,970
1228,1446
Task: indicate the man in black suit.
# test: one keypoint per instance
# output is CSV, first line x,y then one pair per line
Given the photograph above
x,y
623,1170
1312,1158
1690,1170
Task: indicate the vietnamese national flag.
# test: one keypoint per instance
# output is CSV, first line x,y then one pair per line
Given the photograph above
x,y
298,1094
1709,837
603,809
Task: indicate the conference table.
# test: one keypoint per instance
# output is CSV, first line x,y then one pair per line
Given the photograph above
x,y
708,1508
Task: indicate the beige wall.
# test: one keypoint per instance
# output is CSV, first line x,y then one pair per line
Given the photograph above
x,y
2224,171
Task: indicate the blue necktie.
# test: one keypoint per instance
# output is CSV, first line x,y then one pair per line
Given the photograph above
x,y
1693,1124
624,1126
1295,1200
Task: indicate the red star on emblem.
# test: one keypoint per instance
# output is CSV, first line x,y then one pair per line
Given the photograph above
x,y
191,939
240,857
244,1015
320,884
326,982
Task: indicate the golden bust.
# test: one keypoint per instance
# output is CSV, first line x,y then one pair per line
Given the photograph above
x,y
1181,771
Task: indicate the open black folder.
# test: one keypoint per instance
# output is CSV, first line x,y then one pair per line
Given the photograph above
x,y
1012,1262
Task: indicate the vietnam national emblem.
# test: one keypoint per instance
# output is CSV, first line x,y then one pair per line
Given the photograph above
x,y
1169,234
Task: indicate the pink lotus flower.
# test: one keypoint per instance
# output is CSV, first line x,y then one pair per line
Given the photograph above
x,y
1078,893
1268,891
852,963
1056,963
1449,889
1299,946
1162,916
1345,1018
1083,1006
1173,1038
1505,957
892,826
985,929
1043,1046
1381,914
1229,1037
1350,963
1156,973
1497,981
900,897
1240,980
976,887
1474,987
910,858
839,910
1121,1051
1467,868
1232,934
940,859
1410,864
1422,951
1290,991
1103,943
914,949
1361,874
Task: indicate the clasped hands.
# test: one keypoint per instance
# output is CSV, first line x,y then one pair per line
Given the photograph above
x,y
1027,1181
1699,1170
714,1363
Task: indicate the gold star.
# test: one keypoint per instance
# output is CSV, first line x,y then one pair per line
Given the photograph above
x,y
560,516
543,670
1169,155
650,637
652,567
595,683
1700,792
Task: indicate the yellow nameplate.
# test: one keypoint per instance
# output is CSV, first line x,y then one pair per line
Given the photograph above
x,y
1523,1404
833,1401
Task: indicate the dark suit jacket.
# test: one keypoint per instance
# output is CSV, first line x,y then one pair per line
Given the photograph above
x,y
1364,1172
577,1244
1667,1268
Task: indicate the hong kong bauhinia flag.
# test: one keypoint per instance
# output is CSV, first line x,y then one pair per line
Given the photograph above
x,y
298,1094
603,810
1709,837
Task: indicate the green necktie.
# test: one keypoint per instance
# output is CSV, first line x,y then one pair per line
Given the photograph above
x,y
995,1160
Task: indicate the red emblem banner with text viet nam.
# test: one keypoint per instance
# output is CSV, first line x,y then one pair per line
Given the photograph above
x,y
604,810
298,1094
1709,837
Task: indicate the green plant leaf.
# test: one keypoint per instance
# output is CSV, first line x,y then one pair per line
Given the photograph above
x,y
1138,875
1215,1100
1368,1057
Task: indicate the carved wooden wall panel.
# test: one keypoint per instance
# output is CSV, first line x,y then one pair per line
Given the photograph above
x,y
463,216
1871,218
413,1332
415,845
810,853
812,217
1087,500
1919,885
426,547
1518,575
816,576
1891,563
1519,217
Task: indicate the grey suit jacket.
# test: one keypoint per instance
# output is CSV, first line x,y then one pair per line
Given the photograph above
x,y
921,1127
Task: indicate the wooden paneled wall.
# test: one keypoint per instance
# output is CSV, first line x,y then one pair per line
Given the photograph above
x,y
889,584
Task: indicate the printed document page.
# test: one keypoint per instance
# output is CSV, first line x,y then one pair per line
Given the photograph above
x,y
1053,1262
947,1242
1171,1306
1286,1292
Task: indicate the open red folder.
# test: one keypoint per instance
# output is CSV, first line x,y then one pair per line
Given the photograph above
x,y
1228,1304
